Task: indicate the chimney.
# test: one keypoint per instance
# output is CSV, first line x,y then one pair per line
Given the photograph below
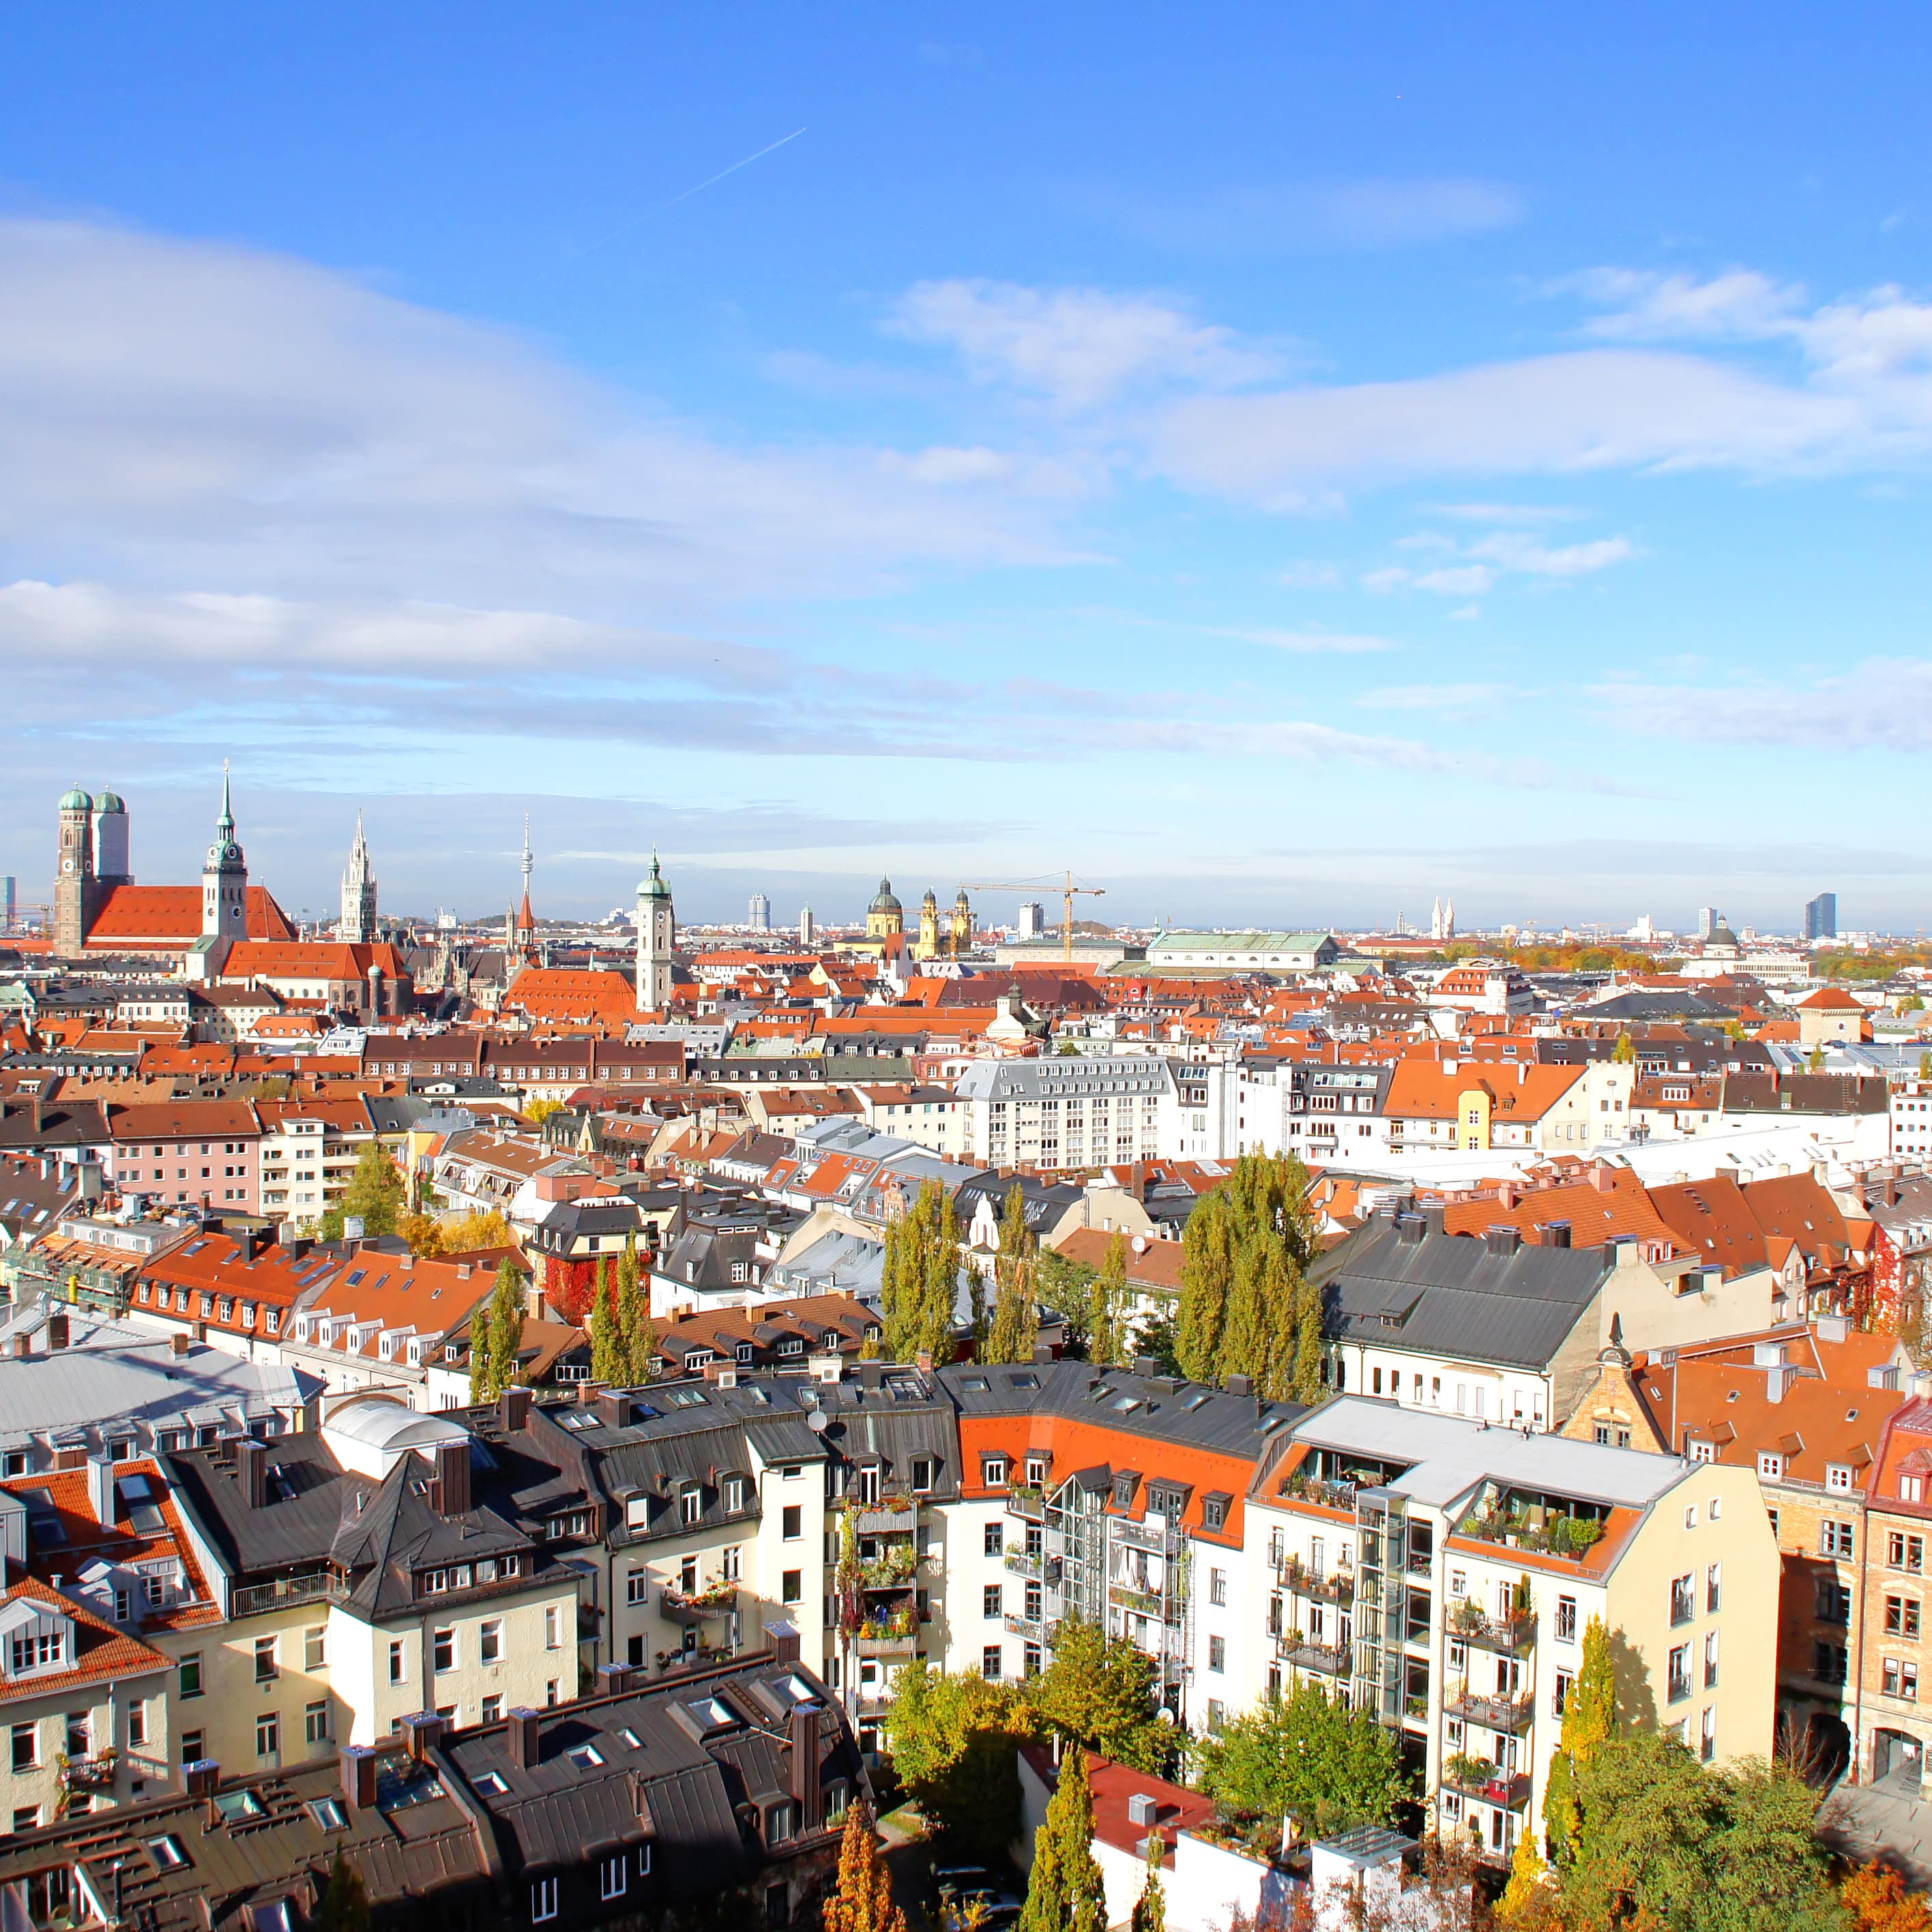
x,y
1240,1384
781,1639
101,1490
57,1330
251,1465
802,1726
1042,1352
425,1730
1556,1234
1503,1240
359,1776
23,1347
513,1409
614,1679
178,1344
1409,1230
452,1478
201,1777
525,1735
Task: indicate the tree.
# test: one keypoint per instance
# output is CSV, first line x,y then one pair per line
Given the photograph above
x,y
1099,1691
468,1234
1624,1054
954,1742
1066,1286
1109,1345
1155,1338
375,1195
633,1319
1815,1061
1876,1897
863,1900
1065,1892
1150,1908
344,1904
423,1233
1307,1374
1243,1302
921,1276
609,1356
538,1112
1524,1894
975,1299
495,1334
1925,1065
1301,1755
1589,1715
1015,1323
1664,1841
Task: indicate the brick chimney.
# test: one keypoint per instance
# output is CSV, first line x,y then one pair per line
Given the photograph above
x,y
57,1330
200,1777
251,1466
513,1409
525,1735
781,1640
802,1730
451,1494
359,1776
425,1730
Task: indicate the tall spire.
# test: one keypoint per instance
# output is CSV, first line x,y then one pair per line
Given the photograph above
x,y
525,918
226,822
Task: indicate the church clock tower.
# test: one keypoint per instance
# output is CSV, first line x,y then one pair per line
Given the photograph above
x,y
224,879
657,941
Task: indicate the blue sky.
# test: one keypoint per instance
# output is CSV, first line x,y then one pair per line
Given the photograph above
x,y
1283,466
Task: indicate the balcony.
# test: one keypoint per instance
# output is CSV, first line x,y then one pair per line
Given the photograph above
x,y
1511,1636
872,1642
1337,1587
1303,1489
1316,1657
1023,1500
896,1513
1512,1716
1477,1778
322,1586
95,1773
1021,1565
1025,1626
1130,1596
690,1606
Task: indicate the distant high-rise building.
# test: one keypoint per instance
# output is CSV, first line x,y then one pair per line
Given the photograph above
x,y
1821,916
1032,920
761,912
1708,917
7,896
808,928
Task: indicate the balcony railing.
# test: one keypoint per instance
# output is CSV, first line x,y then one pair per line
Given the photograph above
x,y
1023,1500
1510,1715
1335,1587
1477,1778
1511,1635
1316,1657
1303,1489
1026,1626
886,1643
95,1773
1148,1603
896,1513
1021,1565
321,1587
715,1600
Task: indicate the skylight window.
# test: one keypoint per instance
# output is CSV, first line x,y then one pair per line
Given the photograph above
x,y
165,1853
585,1757
631,1738
328,1814
236,1806
684,1398
492,1784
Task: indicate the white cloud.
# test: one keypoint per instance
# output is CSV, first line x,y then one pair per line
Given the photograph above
x,y
187,413
1436,697
1880,704
1079,347
1457,579
1515,551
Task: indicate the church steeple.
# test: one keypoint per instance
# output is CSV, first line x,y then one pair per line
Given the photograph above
x,y
357,926
224,879
657,941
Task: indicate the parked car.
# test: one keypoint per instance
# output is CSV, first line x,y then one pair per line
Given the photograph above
x,y
948,1879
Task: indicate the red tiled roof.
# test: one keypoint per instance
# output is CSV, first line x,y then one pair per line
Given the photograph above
x,y
171,916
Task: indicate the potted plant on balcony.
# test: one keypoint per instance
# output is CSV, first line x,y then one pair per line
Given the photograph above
x,y
1471,1773
1468,1616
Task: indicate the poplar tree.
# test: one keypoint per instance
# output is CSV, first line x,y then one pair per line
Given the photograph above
x,y
1065,1892
1150,1908
1243,1306
637,1335
921,1278
1307,1376
976,1297
608,1359
504,1318
1015,1323
1589,1716
863,1900
344,1904
1109,1342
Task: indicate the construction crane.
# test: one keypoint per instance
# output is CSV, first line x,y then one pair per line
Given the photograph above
x,y
1067,890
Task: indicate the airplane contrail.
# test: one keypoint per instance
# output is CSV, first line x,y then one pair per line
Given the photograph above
x,y
712,181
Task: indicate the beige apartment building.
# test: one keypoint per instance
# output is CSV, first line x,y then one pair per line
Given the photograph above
x,y
1442,1572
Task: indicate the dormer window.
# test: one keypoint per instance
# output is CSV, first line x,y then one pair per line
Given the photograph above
x,y
993,1471
1036,1472
1770,1465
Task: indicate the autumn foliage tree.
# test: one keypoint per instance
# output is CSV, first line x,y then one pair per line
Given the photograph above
x,y
1065,1892
1876,1897
1015,1323
863,1900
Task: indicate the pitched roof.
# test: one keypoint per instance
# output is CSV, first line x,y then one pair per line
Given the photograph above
x,y
171,916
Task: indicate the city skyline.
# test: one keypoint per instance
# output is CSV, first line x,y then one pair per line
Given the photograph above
x,y
1478,475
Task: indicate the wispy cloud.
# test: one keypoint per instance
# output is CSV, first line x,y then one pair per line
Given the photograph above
x,y
1077,347
1883,704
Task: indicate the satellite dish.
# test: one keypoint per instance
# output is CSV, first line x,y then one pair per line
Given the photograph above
x,y
1139,1244
818,1421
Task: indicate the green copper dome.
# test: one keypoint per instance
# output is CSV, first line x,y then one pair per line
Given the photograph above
x,y
884,901
654,887
110,801
76,800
